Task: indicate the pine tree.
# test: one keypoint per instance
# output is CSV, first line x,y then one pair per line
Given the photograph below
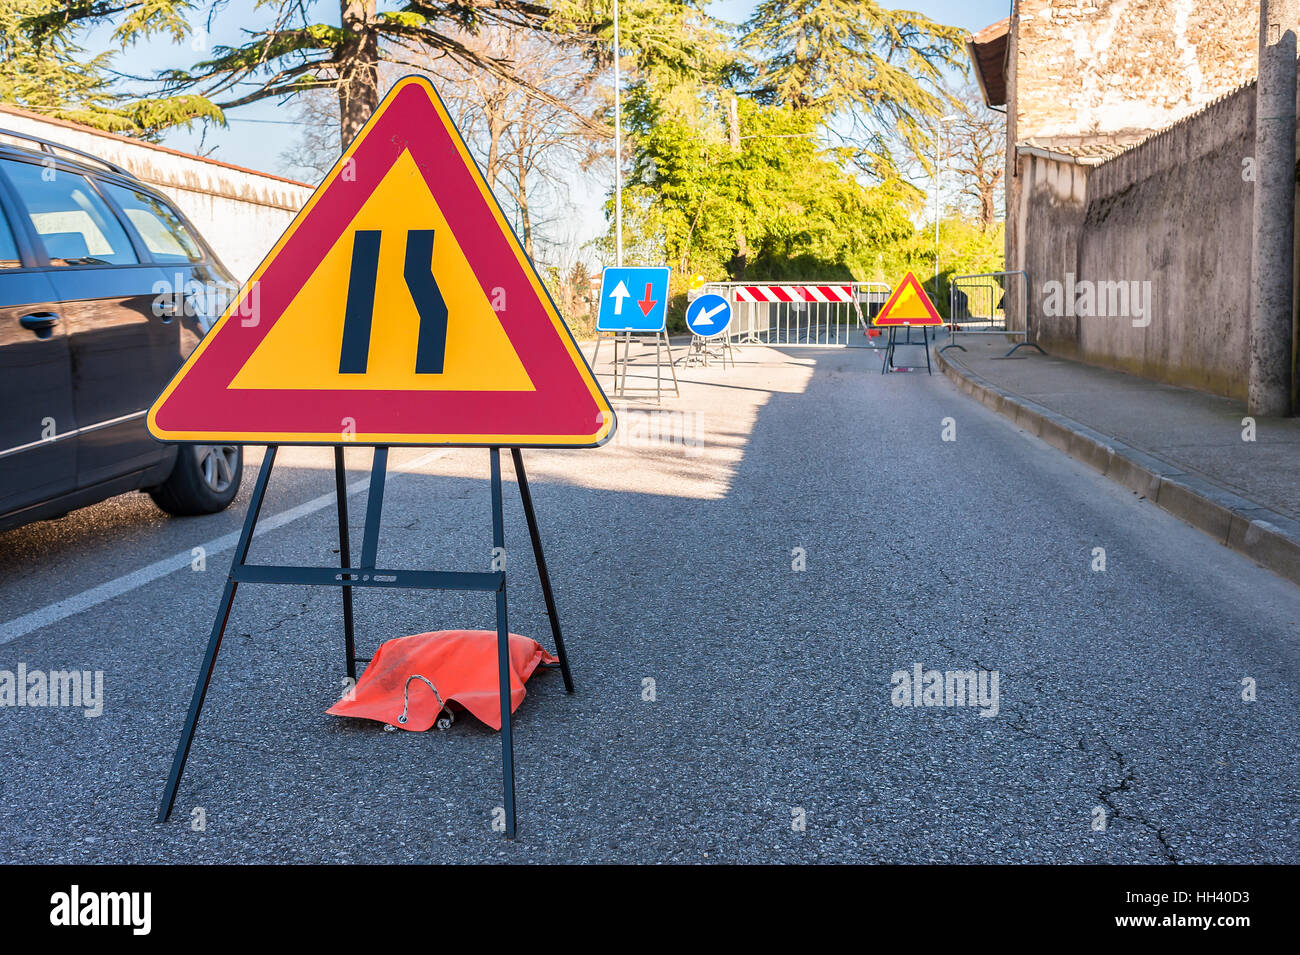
x,y
875,73
54,77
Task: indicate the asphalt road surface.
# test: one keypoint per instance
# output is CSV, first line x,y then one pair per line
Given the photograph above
x,y
772,734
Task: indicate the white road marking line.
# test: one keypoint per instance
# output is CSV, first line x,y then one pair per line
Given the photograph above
x,y
60,610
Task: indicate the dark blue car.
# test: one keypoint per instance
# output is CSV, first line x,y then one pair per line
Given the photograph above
x,y
105,288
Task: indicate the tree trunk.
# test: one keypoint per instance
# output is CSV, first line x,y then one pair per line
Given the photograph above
x,y
496,122
741,259
496,111
358,70
525,224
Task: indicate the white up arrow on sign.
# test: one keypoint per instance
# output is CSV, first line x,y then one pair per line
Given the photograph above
x,y
620,292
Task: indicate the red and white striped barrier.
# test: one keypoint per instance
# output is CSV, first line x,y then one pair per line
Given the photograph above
x,y
794,293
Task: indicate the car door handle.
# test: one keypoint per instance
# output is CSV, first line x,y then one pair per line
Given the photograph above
x,y
42,323
168,307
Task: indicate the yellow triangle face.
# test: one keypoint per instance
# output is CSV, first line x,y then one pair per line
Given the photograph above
x,y
301,351
909,306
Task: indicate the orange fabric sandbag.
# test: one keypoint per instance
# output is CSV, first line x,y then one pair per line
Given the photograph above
x,y
461,665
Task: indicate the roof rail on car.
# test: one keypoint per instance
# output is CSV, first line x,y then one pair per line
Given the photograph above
x,y
50,147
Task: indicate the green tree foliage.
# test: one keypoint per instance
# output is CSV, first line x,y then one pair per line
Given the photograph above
x,y
663,41
54,76
873,72
731,176
965,248
761,201
772,206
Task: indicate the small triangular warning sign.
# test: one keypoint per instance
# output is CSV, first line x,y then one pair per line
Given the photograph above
x,y
909,305
397,308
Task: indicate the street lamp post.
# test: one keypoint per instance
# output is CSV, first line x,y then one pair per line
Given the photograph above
x,y
938,188
618,152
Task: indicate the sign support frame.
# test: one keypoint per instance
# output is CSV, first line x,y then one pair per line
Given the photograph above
x,y
366,575
887,364
700,351
619,373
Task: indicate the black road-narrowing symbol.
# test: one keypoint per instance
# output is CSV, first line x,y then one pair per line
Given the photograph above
x,y
431,346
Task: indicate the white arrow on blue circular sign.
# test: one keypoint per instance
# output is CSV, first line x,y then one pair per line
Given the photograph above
x,y
708,315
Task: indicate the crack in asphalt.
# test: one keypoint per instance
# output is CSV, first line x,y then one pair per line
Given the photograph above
x,y
1106,793
1126,785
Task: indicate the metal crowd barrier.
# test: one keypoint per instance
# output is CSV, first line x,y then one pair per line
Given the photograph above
x,y
801,313
989,303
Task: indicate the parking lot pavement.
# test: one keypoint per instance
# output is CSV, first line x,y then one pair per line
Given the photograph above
x,y
731,707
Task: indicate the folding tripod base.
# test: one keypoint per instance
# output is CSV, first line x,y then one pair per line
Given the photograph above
x,y
366,575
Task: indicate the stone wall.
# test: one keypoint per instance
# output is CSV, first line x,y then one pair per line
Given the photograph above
x,y
1050,218
1172,214
1173,209
241,212
1120,68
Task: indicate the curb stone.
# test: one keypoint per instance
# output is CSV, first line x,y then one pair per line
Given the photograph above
x,y
1270,539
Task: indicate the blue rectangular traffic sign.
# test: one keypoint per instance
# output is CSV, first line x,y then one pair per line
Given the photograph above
x,y
633,300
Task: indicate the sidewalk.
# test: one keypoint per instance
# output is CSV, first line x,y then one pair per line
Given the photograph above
x,y
1180,448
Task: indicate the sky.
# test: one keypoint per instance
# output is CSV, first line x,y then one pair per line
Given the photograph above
x,y
259,134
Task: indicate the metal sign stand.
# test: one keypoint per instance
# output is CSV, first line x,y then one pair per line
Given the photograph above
x,y
367,575
701,351
621,389
887,365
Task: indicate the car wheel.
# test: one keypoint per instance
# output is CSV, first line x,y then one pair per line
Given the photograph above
x,y
204,479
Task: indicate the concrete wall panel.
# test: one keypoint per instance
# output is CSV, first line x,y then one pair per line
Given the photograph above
x,y
241,212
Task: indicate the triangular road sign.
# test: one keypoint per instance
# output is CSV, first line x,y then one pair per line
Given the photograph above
x,y
397,308
909,305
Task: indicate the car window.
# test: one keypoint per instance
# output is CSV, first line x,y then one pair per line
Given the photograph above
x,y
164,235
76,226
9,258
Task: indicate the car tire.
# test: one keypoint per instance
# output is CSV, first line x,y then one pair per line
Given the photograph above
x,y
204,480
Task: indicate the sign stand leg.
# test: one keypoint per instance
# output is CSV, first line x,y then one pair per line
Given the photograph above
x,y
618,388
677,389
614,366
659,373
531,516
503,650
374,508
658,370
627,360
214,642
345,560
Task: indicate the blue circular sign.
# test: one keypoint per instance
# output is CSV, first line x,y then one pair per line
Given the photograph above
x,y
708,315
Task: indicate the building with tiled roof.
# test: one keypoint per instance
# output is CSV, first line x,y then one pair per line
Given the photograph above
x,y
1130,137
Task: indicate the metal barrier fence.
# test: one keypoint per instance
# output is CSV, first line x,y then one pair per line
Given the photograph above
x,y
798,313
989,303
